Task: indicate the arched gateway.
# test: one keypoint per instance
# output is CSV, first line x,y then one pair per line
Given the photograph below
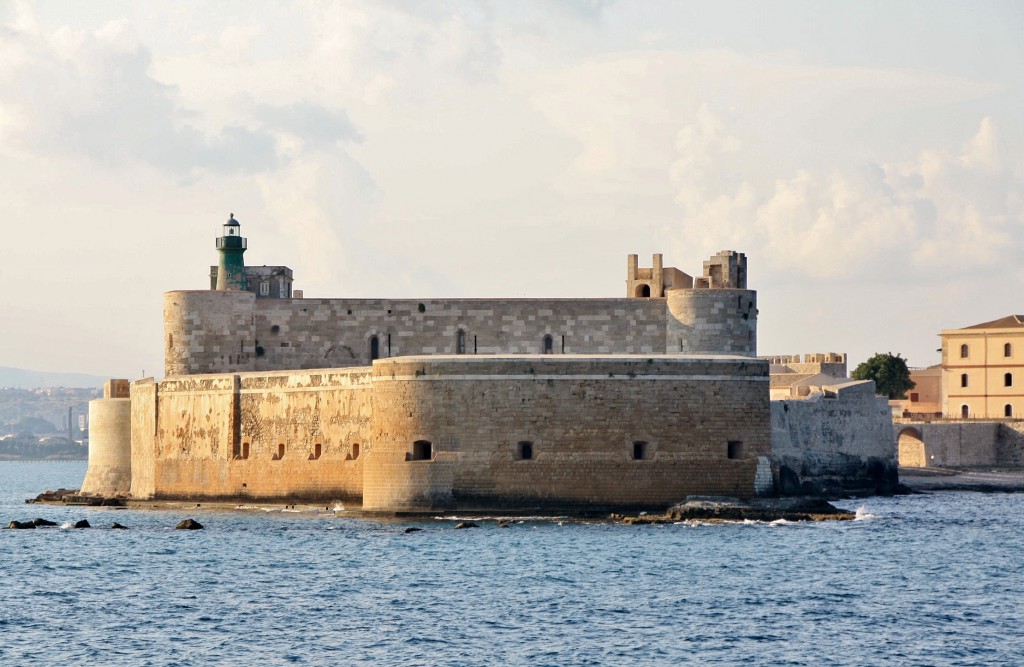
x,y
911,448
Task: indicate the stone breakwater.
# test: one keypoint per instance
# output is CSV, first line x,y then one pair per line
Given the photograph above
x,y
734,509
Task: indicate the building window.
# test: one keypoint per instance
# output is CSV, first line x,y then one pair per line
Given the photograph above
x,y
317,451
460,342
422,450
1008,350
963,379
641,452
264,288
643,291
1007,410
1008,380
548,344
963,351
524,450
241,450
735,449
280,452
914,397
355,450
965,411
374,348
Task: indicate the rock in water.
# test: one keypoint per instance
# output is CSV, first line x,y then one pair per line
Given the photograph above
x,y
189,524
118,526
43,522
82,524
21,525
466,524
413,530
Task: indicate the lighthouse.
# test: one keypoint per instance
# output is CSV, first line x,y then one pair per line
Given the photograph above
x,y
231,246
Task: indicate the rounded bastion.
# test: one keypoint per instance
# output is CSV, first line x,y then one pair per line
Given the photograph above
x,y
544,431
110,447
712,321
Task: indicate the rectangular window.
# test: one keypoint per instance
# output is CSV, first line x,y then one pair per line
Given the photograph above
x,y
264,288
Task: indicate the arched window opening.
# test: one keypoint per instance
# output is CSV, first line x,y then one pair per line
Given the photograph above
x,y
317,450
965,411
460,342
240,450
524,450
963,379
963,351
548,344
355,450
245,450
1008,380
735,449
374,348
422,450
280,452
1007,410
1007,350
643,291
641,452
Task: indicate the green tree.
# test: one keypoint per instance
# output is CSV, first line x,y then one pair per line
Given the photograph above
x,y
890,373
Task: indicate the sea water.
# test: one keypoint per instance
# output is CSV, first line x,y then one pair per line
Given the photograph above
x,y
916,580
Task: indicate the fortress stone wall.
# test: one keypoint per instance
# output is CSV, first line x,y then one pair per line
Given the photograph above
x,y
961,443
481,431
221,332
839,438
274,436
407,404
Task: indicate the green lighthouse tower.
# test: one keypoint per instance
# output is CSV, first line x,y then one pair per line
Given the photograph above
x,y
231,271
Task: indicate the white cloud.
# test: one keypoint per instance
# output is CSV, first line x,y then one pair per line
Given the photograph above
x,y
939,213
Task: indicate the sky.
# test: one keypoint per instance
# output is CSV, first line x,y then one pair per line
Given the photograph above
x,y
868,157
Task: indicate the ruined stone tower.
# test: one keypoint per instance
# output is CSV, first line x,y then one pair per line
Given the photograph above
x,y
712,314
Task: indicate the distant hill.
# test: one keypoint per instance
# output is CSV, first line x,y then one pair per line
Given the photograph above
x,y
19,378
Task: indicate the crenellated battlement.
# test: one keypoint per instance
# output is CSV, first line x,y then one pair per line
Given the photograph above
x,y
829,363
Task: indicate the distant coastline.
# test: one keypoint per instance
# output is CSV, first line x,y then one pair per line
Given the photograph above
x,y
68,457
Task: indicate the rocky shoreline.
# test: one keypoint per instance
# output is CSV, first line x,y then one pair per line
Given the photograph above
x,y
714,508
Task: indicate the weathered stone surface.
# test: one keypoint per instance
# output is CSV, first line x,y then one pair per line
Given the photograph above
x,y
755,509
189,524
54,496
834,444
82,524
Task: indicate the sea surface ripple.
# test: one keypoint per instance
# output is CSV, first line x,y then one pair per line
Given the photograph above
x,y
917,580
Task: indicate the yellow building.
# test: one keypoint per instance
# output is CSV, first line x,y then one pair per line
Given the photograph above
x,y
983,369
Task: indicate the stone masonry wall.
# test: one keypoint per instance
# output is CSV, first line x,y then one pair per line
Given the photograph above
x,y
223,436
218,332
712,321
336,332
832,443
208,332
581,417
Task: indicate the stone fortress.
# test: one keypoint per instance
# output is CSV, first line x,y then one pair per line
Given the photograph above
x,y
409,404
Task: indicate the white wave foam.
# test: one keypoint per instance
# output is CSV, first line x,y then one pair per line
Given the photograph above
x,y
862,514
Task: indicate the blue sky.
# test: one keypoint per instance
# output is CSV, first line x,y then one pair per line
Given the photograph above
x,y
867,156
